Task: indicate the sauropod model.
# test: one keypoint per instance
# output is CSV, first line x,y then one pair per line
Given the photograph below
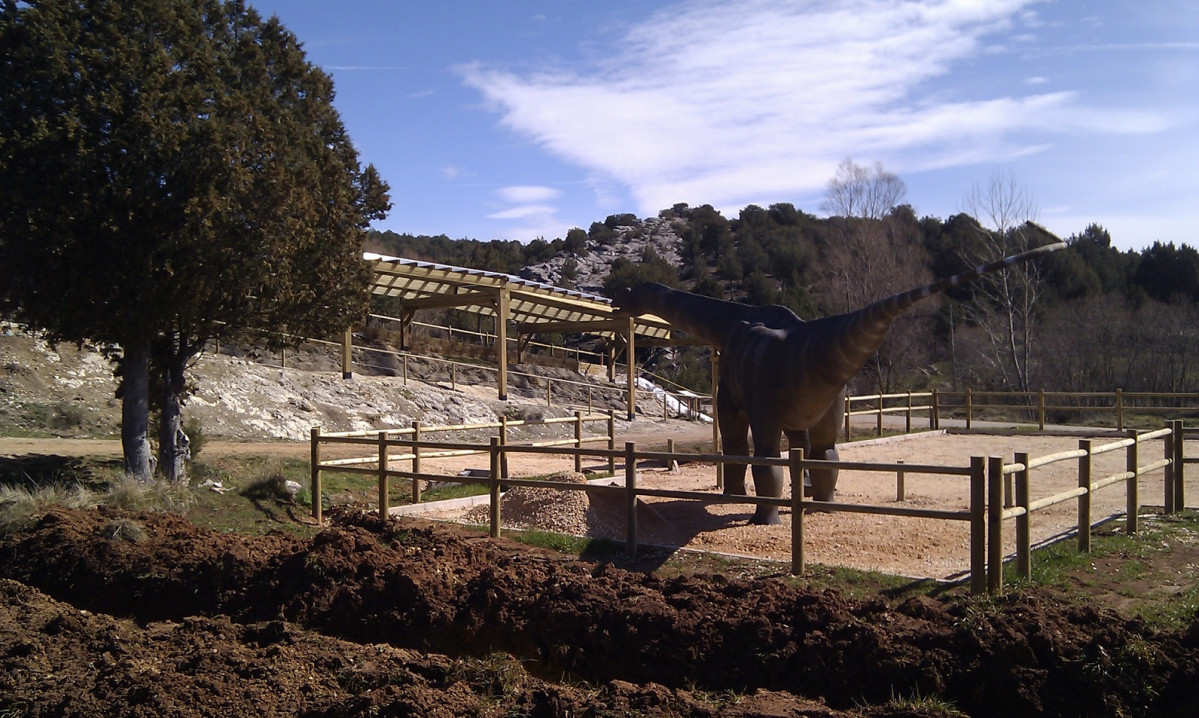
x,y
782,375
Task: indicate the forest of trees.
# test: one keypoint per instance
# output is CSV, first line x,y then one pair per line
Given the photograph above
x,y
1091,318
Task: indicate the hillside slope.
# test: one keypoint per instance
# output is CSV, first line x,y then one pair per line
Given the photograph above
x,y
66,391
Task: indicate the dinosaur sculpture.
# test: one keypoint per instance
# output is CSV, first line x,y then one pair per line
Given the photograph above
x,y
782,375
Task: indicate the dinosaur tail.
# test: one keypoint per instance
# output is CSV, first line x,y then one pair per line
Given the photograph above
x,y
853,338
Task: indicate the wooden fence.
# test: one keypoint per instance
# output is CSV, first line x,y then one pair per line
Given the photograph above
x,y
997,491
417,448
1037,406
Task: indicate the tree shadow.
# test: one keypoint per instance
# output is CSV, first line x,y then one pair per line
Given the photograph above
x,y
33,471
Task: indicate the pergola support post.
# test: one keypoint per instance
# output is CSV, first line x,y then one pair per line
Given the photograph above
x,y
503,302
630,363
347,352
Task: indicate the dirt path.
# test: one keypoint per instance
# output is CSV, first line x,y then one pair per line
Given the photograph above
x,y
653,435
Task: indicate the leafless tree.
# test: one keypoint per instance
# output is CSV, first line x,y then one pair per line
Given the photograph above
x,y
875,252
1006,302
866,192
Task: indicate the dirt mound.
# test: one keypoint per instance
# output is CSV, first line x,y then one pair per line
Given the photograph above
x,y
594,512
330,626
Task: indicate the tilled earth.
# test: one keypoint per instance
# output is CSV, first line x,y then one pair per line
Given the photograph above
x,y
111,613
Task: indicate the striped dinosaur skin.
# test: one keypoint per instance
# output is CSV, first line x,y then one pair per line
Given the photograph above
x,y
780,375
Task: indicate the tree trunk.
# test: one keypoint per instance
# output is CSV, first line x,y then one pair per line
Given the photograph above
x,y
174,446
135,410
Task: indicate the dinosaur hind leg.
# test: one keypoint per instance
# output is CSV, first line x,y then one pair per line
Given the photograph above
x,y
768,480
734,441
823,437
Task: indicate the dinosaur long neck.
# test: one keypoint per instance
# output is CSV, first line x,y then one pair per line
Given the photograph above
x,y
703,317
845,342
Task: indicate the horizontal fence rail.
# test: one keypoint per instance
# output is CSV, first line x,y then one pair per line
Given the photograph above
x,y
1037,407
998,491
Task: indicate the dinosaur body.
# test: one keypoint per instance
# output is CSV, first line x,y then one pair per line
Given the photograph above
x,y
781,375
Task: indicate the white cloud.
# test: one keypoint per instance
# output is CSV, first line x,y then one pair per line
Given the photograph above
x,y
527,193
728,102
530,211
523,212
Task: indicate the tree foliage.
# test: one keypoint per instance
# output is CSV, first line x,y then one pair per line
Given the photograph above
x,y
173,171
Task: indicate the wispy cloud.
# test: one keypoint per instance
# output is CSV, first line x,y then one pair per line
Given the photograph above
x,y
728,102
531,208
527,193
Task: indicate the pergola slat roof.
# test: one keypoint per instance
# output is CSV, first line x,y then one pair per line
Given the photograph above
x,y
533,306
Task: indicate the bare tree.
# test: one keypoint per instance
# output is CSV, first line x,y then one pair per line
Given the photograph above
x,y
1006,302
866,192
875,252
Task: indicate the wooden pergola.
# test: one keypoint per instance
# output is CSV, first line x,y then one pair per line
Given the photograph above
x,y
529,307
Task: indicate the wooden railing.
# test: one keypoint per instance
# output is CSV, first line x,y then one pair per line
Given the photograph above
x,y
1008,499
1036,407
997,491
414,439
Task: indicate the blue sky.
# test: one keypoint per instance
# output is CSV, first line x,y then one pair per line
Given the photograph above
x,y
523,118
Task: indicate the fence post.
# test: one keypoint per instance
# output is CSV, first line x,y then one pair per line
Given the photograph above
x,y
630,497
383,478
968,409
1023,521
589,408
900,491
504,442
795,459
1120,409
612,441
1179,464
665,399
978,525
579,441
994,525
405,364
878,422
1084,501
416,446
1168,502
934,414
1132,486
493,487
1041,409
848,411
909,421
315,488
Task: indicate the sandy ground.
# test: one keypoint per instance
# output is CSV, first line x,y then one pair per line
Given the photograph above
x,y
900,545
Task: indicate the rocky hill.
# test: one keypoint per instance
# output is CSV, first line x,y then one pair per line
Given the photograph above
x,y
593,266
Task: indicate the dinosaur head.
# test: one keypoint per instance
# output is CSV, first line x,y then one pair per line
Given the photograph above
x,y
632,301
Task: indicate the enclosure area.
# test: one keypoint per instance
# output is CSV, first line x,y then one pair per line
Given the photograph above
x,y
904,545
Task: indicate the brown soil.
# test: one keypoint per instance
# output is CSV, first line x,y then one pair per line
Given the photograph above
x,y
108,613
